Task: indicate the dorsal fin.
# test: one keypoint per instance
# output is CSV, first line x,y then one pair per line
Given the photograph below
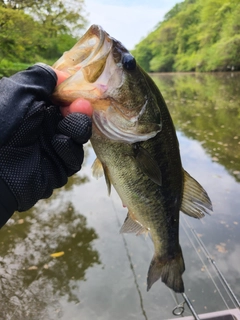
x,y
195,201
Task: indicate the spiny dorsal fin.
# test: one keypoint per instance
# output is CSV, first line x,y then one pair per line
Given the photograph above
x,y
195,201
147,164
133,226
98,169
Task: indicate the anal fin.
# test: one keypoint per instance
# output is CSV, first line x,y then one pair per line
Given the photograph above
x,y
195,202
133,226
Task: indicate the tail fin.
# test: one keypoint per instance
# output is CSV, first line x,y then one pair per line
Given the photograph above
x,y
169,270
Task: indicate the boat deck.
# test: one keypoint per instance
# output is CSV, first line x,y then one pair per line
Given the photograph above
x,y
233,314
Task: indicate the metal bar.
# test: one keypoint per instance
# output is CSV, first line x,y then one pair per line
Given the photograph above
x,y
207,254
201,259
190,306
219,273
131,265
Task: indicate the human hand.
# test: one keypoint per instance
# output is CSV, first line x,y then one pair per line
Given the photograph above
x,y
79,105
39,146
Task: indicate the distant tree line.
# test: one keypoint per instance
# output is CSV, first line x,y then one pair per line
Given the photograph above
x,y
38,30
195,35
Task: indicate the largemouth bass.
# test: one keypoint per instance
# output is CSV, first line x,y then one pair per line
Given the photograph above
x,y
136,146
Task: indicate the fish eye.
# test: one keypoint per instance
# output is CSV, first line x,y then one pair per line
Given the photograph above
x,y
129,62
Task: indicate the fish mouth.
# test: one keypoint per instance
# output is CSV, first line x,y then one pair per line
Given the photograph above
x,y
98,66
88,49
86,64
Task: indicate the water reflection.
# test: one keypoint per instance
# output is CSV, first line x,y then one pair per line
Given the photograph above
x,y
31,281
206,108
206,112
102,275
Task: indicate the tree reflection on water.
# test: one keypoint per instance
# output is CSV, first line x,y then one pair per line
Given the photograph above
x,y
31,281
33,285
205,107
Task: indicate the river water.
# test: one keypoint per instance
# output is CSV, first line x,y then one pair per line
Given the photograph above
x,y
101,274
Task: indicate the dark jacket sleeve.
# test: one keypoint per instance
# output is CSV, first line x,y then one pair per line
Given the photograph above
x,y
17,94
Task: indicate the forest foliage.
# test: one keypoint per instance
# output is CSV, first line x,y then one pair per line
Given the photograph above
x,y
38,30
195,35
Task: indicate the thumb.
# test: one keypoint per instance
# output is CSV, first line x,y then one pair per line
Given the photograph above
x,y
61,75
79,105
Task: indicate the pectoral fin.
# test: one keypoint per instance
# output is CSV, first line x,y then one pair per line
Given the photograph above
x,y
98,169
133,226
195,202
115,127
147,164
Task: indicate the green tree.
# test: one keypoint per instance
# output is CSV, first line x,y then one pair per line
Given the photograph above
x,y
195,35
55,15
144,54
18,34
34,30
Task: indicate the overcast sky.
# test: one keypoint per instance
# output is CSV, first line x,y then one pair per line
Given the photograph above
x,y
128,20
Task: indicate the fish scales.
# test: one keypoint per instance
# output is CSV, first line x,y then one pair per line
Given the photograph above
x,y
136,146
158,208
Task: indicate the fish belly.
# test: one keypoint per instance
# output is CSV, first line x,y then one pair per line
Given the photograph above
x,y
153,206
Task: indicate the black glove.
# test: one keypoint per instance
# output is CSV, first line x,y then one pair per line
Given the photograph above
x,y
39,148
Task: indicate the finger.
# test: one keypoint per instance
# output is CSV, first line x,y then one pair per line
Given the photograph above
x,y
70,152
61,76
78,105
77,126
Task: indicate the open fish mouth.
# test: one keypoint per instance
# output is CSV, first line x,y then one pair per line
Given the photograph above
x,y
94,46
91,65
102,71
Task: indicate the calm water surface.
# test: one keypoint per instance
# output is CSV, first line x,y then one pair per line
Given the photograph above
x,y
102,274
